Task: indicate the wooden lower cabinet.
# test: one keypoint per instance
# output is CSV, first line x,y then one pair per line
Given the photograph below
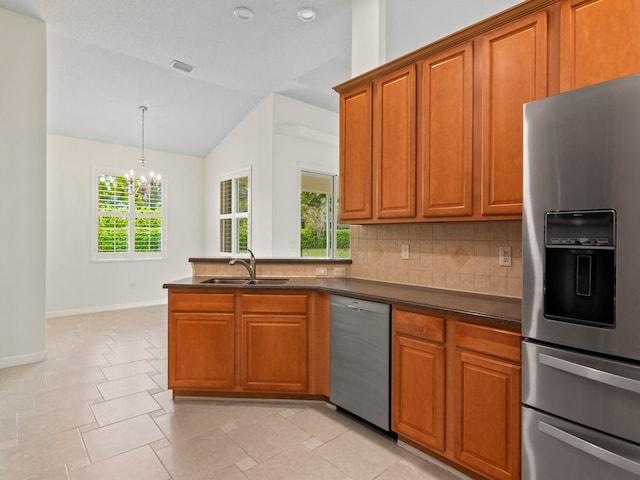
x,y
486,393
418,386
274,342
238,342
456,392
206,355
201,341
487,433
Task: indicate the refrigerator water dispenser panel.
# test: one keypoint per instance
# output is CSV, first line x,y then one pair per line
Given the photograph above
x,y
579,274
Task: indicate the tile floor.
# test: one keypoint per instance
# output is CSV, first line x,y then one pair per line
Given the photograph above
x,y
99,408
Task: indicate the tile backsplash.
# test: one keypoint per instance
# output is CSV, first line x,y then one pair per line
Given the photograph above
x,y
456,256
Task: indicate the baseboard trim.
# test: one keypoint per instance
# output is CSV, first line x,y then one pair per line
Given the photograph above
x,y
428,458
104,308
23,359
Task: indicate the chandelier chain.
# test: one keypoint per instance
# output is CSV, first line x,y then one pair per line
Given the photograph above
x,y
142,185
143,161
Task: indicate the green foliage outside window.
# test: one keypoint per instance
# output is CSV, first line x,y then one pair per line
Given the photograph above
x,y
243,234
113,234
115,214
314,239
148,235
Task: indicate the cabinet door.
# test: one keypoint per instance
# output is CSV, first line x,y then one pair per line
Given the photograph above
x,y
486,399
201,350
445,137
514,71
418,391
275,342
355,154
274,352
599,41
394,152
487,432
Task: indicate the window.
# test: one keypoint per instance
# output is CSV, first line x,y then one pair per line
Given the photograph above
x,y
234,213
320,234
126,226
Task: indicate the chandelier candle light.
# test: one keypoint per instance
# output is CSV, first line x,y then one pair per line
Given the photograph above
x,y
143,184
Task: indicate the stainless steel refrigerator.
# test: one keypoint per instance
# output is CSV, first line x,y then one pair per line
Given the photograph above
x,y
581,284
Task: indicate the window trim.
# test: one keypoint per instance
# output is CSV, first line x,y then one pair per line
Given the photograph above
x,y
132,255
234,216
302,169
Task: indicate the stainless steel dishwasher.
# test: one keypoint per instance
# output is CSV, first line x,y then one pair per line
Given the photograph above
x,y
360,359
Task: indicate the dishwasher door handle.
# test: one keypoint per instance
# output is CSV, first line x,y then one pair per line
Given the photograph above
x,y
356,308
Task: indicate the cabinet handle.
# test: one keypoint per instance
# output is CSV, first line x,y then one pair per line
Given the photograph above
x,y
589,448
592,373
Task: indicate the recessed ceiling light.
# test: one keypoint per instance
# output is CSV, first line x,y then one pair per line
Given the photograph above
x,y
183,67
307,14
243,13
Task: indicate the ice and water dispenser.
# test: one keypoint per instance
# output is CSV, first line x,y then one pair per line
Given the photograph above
x,y
580,264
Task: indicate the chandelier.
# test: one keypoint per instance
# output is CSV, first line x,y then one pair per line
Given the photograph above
x,y
142,185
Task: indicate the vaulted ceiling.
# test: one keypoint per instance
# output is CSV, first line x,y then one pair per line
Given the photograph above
x,y
107,57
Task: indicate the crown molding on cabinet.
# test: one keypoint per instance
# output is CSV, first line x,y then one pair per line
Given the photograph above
x,y
456,38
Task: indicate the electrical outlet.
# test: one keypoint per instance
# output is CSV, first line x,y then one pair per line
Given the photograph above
x,y
339,271
405,252
505,257
321,271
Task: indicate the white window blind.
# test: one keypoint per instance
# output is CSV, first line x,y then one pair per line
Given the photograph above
x,y
234,224
126,226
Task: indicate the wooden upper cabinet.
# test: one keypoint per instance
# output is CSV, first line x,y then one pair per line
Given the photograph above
x,y
355,154
445,133
514,71
437,134
599,41
394,147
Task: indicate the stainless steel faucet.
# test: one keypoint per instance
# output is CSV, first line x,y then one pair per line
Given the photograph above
x,y
250,265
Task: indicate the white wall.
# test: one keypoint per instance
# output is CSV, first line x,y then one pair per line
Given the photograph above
x,y
75,284
368,40
305,137
277,137
404,21
22,183
249,145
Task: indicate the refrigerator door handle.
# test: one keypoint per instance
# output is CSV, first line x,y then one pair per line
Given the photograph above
x,y
592,373
590,448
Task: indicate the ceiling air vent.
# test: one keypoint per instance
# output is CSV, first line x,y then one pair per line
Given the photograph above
x,y
183,67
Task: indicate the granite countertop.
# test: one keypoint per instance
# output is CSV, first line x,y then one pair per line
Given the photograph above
x,y
500,310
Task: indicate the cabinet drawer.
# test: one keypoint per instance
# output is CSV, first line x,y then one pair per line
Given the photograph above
x,y
490,341
201,302
418,325
274,303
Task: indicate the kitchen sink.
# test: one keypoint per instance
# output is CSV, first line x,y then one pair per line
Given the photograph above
x,y
246,281
266,281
